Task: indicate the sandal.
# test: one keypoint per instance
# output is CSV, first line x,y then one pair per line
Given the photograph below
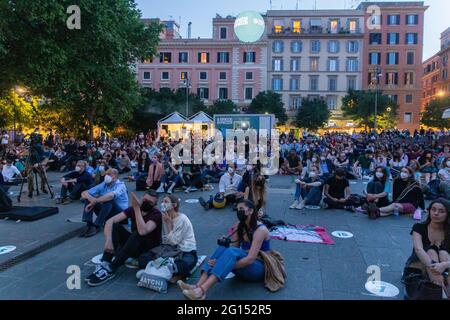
x,y
185,286
192,295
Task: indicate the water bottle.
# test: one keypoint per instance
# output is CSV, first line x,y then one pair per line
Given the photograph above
x,y
396,213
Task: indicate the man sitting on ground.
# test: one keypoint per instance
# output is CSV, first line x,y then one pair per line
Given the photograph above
x,y
337,191
120,244
75,183
295,165
106,200
10,172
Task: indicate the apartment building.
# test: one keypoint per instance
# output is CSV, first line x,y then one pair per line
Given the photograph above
x,y
394,43
315,54
431,79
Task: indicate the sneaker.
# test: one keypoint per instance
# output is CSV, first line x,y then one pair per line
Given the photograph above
x,y
160,189
193,189
203,203
300,206
169,191
91,276
187,190
93,230
294,205
100,277
84,232
132,263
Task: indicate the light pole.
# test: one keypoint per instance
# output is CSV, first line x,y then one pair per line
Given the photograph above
x,y
376,81
187,83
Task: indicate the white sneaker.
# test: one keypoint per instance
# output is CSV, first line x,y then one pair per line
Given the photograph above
x,y
160,189
187,190
294,205
300,206
193,189
169,191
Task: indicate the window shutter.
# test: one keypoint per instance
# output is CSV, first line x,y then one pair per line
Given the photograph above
x,y
273,64
199,57
281,64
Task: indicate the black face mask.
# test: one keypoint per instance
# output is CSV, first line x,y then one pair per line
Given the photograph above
x,y
147,206
259,183
241,215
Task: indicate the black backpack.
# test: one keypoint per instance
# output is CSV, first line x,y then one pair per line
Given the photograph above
x,y
5,201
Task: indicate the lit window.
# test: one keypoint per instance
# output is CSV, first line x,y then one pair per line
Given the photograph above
x,y
352,26
334,26
203,57
297,26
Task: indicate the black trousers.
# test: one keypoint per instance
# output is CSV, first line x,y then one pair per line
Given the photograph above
x,y
377,188
128,245
336,205
74,190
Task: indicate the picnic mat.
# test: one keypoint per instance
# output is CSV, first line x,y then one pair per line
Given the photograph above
x,y
308,234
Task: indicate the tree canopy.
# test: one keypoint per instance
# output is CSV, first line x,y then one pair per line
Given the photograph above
x,y
312,115
269,102
432,114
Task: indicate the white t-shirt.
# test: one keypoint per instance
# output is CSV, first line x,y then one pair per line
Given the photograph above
x,y
9,172
5,139
182,234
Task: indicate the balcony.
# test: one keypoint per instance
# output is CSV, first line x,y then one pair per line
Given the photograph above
x,y
314,31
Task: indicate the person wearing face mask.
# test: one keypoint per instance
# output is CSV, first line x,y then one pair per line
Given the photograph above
x,y
105,200
228,188
155,173
121,244
377,191
337,191
309,189
74,183
444,177
428,166
100,171
407,195
325,165
249,237
178,240
363,165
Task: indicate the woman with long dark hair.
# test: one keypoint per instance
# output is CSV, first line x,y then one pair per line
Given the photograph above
x,y
428,167
248,239
431,240
143,164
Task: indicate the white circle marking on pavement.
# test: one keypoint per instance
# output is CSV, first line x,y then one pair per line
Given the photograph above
x,y
382,289
312,207
191,201
342,234
7,249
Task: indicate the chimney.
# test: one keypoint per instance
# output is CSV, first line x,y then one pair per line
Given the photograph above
x,y
189,29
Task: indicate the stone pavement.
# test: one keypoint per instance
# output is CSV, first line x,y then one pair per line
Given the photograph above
x,y
315,271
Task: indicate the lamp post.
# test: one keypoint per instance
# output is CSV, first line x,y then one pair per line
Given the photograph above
x,y
187,84
376,81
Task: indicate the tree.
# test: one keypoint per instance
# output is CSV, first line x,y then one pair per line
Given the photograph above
x,y
222,107
360,107
432,115
312,115
84,72
269,102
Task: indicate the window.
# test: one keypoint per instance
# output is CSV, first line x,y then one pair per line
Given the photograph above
x,y
277,64
183,57
407,117
296,26
410,58
392,58
375,38
409,78
165,75
333,65
332,102
147,61
278,26
203,57
392,78
184,75
165,57
147,76
296,102
412,19
333,46
315,46
277,84
352,65
332,83
296,46
223,93
295,64
351,83
248,93
353,26
411,38
376,20
313,83
203,75
352,46
203,93
334,26
222,76
316,25
314,64
278,46
393,97
294,84
393,38
248,75
223,32
409,98
375,58
223,57
394,20
249,57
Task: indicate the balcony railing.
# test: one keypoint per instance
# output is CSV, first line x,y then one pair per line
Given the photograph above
x,y
313,31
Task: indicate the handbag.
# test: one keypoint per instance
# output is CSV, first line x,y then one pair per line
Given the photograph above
x,y
156,274
419,288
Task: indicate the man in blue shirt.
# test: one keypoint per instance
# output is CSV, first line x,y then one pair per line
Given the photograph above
x,y
105,200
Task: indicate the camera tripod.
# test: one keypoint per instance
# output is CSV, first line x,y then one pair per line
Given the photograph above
x,y
32,167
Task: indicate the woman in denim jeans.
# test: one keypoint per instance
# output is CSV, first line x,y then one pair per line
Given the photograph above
x,y
249,237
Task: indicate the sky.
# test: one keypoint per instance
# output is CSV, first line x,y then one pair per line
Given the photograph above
x,y
201,13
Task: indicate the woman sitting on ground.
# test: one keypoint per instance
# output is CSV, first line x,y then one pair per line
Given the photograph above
x,y
247,241
431,240
407,195
377,191
257,193
428,167
143,163
309,189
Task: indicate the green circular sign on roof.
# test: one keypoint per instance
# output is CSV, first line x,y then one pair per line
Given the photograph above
x,y
249,26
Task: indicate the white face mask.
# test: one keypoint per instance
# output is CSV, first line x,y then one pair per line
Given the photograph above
x,y
77,169
166,206
322,158
314,159
404,175
108,179
312,174
230,170
379,175
101,168
249,168
448,163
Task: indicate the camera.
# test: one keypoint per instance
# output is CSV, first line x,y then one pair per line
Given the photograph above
x,y
224,242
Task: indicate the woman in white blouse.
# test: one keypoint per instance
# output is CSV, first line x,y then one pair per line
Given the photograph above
x,y
178,231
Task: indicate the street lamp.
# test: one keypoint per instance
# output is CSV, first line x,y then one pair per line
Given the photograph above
x,y
376,81
187,84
